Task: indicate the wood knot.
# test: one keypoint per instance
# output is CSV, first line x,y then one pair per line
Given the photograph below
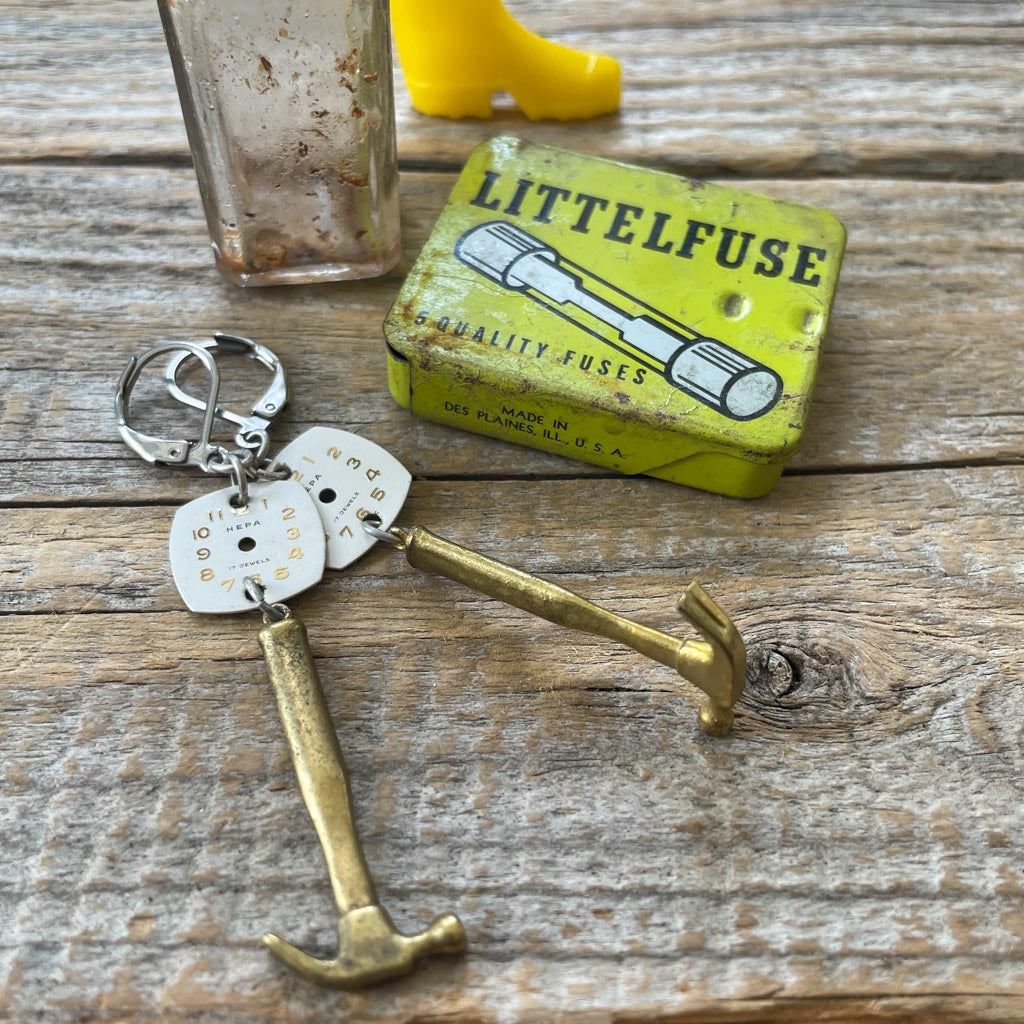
x,y
808,686
781,675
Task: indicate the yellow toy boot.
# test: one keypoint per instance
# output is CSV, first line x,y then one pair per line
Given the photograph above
x,y
457,53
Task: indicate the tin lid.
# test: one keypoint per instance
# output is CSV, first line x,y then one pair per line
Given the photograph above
x,y
694,311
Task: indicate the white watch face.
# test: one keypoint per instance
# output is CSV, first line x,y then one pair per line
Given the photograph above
x,y
347,477
277,538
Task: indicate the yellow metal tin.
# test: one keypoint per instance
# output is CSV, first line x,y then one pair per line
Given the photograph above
x,y
622,316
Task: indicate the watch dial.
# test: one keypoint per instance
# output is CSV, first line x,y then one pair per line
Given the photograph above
x,y
278,538
347,477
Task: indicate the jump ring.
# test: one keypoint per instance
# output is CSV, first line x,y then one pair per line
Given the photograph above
x,y
372,525
257,593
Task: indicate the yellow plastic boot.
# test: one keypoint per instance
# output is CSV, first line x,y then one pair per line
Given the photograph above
x,y
457,53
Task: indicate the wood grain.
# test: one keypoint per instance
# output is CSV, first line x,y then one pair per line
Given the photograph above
x,y
754,87
917,368
851,837
851,854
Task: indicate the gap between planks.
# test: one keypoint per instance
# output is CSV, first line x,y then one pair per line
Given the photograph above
x,y
713,171
545,477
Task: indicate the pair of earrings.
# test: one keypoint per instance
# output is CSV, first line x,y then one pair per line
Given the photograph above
x,y
322,503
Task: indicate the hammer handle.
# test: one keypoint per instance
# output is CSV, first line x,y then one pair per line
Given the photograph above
x,y
425,550
715,664
317,758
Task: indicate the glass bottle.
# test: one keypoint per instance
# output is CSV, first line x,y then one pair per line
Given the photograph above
x,y
289,109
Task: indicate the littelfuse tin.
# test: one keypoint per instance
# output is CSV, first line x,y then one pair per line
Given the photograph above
x,y
618,315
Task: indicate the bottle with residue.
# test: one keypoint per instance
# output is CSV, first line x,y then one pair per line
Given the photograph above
x,y
289,110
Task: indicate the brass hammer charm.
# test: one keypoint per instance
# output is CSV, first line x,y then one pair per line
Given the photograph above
x,y
370,948
715,664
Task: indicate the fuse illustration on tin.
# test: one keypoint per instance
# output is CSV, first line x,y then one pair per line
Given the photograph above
x,y
714,373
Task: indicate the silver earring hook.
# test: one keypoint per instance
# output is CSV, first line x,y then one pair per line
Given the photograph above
x,y
172,451
252,432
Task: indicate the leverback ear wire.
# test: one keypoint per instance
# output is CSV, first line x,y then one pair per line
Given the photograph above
x,y
253,427
249,461
170,451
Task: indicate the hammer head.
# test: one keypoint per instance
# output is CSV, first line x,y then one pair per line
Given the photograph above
x,y
370,949
717,664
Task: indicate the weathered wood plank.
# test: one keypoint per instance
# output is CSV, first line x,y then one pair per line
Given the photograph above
x,y
948,523
852,852
103,262
755,87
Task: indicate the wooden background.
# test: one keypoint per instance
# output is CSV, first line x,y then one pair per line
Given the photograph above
x,y
853,852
